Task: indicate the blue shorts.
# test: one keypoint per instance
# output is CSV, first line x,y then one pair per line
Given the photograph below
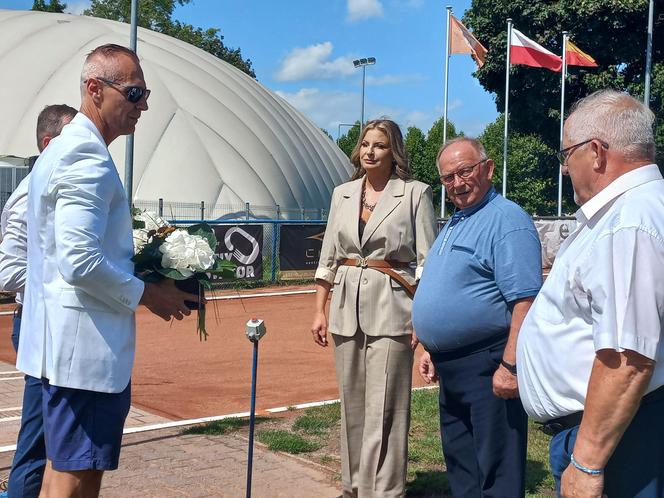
x,y
83,429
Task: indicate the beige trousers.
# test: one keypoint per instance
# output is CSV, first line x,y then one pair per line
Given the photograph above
x,y
374,376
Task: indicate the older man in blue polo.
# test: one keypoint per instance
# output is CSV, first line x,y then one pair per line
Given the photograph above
x,y
479,280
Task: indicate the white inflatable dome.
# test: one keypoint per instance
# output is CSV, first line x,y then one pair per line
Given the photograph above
x,y
211,134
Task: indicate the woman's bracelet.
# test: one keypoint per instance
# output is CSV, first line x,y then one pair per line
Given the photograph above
x,y
585,470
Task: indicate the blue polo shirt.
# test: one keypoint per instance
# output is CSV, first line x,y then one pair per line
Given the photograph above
x,y
485,258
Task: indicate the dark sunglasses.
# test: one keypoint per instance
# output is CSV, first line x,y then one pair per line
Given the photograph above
x,y
132,93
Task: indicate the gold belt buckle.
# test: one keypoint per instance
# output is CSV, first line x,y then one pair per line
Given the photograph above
x,y
361,263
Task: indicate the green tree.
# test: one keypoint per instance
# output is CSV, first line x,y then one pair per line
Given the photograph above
x,y
347,142
327,133
611,31
429,170
51,6
532,170
157,15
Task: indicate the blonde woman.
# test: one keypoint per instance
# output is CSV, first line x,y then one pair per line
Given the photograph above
x,y
380,228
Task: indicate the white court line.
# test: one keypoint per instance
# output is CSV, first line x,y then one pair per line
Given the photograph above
x,y
10,372
11,378
9,419
264,294
11,409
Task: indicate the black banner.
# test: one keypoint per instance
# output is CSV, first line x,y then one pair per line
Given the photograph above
x,y
243,245
299,249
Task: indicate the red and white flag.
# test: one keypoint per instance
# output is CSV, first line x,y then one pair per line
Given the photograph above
x,y
525,51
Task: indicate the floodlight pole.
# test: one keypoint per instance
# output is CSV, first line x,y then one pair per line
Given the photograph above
x,y
129,145
363,63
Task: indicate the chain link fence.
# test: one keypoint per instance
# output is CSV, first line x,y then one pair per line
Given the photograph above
x,y
177,211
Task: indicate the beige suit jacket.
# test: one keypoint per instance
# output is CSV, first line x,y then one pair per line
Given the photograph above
x,y
401,228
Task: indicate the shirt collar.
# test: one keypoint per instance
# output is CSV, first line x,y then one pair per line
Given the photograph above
x,y
619,186
488,197
82,120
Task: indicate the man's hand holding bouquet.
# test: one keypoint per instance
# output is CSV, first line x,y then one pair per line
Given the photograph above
x,y
185,255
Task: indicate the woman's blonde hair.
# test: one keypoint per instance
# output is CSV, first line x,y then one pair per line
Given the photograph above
x,y
400,165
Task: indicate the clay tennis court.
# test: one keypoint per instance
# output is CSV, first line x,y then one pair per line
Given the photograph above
x,y
179,377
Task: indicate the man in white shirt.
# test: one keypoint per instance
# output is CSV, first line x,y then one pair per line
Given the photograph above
x,y
590,351
78,325
30,457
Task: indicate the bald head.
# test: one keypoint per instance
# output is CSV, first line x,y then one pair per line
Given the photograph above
x,y
103,62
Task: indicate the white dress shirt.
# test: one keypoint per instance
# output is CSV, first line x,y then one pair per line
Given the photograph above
x,y
14,245
605,291
78,327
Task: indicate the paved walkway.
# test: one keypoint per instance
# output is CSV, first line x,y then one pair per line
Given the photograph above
x,y
163,463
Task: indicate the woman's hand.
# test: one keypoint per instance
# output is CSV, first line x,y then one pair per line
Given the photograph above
x,y
319,329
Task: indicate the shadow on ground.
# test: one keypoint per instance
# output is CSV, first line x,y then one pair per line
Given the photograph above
x,y
428,484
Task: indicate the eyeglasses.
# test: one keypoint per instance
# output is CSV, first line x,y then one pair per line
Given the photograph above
x,y
132,93
462,173
564,154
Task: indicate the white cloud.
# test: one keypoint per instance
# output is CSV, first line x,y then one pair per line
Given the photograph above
x,y
326,109
364,9
392,79
313,62
77,7
330,108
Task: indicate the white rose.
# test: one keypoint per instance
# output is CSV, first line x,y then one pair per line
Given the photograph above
x,y
140,236
186,253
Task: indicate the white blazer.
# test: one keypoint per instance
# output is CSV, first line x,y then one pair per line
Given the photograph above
x,y
78,328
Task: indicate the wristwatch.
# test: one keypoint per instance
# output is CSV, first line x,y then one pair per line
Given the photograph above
x,y
510,368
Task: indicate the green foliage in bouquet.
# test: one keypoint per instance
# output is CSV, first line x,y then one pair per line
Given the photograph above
x,y
163,251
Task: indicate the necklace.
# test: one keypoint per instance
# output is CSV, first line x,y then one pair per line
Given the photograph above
x,y
370,207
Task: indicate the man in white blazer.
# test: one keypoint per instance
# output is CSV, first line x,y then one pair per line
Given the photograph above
x,y
78,327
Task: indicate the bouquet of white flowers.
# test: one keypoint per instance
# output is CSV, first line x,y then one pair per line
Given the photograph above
x,y
185,255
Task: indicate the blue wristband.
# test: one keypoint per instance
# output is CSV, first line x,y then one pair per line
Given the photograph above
x,y
586,470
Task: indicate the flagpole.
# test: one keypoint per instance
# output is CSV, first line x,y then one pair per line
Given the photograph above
x,y
562,122
447,70
507,100
646,95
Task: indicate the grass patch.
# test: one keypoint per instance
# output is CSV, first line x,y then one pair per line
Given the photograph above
x,y
318,421
219,427
287,441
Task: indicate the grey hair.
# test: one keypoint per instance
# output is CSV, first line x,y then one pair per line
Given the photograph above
x,y
100,63
617,118
476,144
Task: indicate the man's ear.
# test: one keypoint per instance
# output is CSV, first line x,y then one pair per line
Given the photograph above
x,y
93,89
490,168
600,153
44,141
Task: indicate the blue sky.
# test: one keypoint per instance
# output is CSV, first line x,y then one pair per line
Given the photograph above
x,y
303,50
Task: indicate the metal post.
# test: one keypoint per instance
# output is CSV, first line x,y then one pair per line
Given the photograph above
x,y
651,13
275,236
278,212
302,213
252,419
255,330
160,209
246,210
129,145
447,70
202,210
507,100
562,123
